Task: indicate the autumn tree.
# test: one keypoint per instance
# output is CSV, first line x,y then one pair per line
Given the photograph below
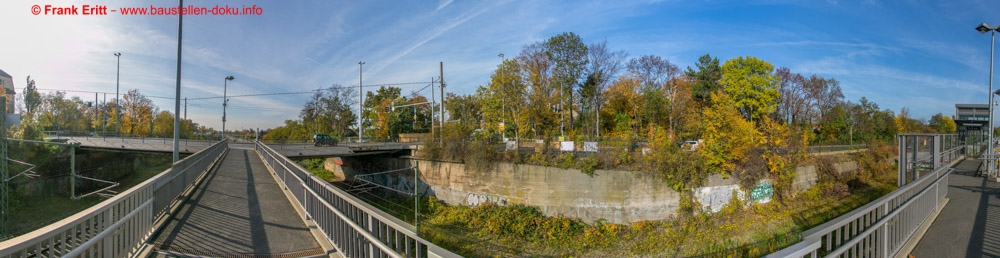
x,y
941,124
163,124
376,114
604,66
539,112
623,107
729,137
137,113
329,111
792,105
503,99
905,124
751,85
653,73
823,95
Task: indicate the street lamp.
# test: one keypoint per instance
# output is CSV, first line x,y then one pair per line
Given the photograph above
x,y
361,101
224,102
983,28
118,55
503,104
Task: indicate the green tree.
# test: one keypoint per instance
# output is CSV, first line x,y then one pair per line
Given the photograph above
x,y
32,99
292,129
706,78
329,111
163,124
504,98
752,85
941,124
377,108
569,59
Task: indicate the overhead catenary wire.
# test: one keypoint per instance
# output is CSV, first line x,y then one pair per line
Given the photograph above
x,y
254,95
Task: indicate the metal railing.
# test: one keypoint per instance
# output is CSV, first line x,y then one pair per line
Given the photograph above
x,y
118,226
355,228
186,142
882,227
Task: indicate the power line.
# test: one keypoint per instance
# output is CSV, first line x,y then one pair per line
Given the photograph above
x,y
112,93
259,94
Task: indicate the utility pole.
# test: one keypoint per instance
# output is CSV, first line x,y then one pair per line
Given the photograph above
x,y
503,103
185,108
361,101
3,170
104,120
432,108
441,77
177,90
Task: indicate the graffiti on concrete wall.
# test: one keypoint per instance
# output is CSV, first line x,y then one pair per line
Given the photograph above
x,y
396,182
477,199
713,198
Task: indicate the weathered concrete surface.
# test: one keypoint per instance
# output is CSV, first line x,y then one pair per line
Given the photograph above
x,y
616,196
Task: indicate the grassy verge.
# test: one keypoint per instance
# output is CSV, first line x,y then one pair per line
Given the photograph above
x,y
315,166
46,208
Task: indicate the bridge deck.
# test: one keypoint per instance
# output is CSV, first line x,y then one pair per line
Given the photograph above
x,y
239,210
969,225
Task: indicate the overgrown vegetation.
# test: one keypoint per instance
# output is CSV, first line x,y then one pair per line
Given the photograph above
x,y
739,230
315,166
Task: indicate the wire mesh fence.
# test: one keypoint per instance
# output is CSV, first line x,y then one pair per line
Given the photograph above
x,y
47,183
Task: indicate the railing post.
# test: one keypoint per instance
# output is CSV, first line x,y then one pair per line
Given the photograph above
x,y
936,151
902,160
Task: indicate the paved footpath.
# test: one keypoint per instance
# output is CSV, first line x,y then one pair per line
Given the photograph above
x,y
239,211
969,225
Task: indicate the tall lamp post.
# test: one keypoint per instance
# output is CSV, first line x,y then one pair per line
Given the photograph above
x,y
225,101
361,101
983,28
503,104
118,75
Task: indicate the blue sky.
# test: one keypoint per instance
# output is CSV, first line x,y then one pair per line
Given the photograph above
x,y
923,55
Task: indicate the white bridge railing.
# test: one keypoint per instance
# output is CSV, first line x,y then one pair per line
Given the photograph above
x,y
119,226
882,227
355,228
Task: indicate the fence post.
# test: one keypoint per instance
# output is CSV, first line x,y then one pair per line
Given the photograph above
x,y
936,151
902,160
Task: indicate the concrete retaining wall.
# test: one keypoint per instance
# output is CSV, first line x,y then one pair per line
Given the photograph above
x,y
616,196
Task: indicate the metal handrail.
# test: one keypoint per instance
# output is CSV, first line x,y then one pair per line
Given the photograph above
x,y
361,229
97,231
881,227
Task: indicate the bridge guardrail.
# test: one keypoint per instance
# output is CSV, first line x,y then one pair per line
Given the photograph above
x,y
355,228
118,226
882,227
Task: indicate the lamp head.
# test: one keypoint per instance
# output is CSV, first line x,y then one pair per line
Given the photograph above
x,y
984,28
996,92
230,78
118,54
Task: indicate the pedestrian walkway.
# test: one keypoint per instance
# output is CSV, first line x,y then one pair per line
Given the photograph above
x,y
238,211
969,225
